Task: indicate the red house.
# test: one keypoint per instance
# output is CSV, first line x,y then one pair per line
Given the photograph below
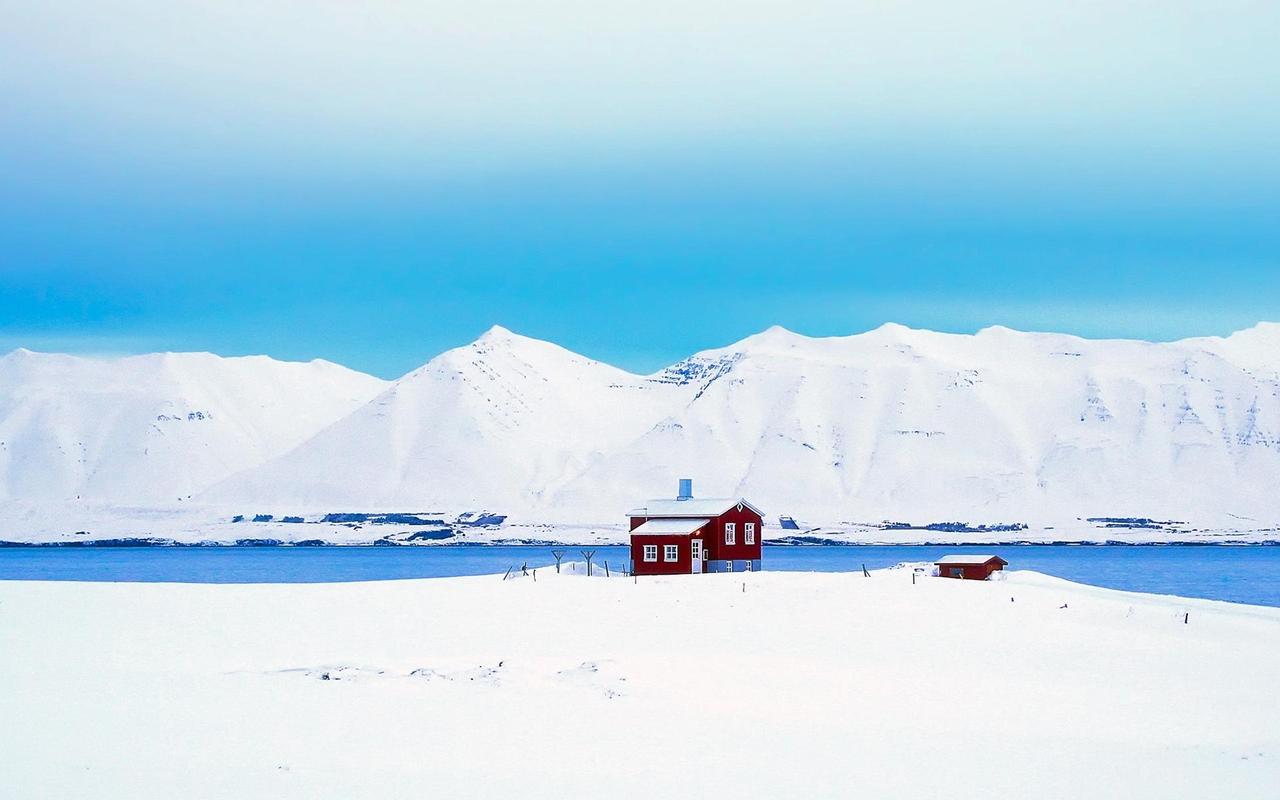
x,y
688,535
969,568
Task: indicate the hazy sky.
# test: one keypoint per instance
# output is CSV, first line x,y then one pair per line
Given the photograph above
x,y
372,182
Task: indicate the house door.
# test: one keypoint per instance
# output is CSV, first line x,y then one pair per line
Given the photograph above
x,y
696,552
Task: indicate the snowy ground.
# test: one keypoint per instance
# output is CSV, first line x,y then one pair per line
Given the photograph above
x,y
818,685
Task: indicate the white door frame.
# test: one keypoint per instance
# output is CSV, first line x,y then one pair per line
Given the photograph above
x,y
697,553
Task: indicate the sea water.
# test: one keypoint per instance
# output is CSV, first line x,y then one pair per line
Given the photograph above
x,y
1242,574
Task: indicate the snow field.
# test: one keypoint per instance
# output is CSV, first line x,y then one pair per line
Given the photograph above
x,y
761,685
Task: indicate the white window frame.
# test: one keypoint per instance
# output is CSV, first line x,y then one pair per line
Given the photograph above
x,y
728,565
731,533
650,553
670,553
748,533
746,565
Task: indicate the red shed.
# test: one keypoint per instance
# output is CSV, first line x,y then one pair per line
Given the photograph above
x,y
969,568
687,535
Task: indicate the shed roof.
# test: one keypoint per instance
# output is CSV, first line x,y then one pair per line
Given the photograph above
x,y
694,507
970,560
670,527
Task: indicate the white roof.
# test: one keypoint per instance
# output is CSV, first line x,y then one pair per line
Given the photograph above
x,y
695,507
669,526
980,559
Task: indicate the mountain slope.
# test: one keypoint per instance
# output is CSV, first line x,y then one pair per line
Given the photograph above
x,y
497,423
1001,426
153,429
891,424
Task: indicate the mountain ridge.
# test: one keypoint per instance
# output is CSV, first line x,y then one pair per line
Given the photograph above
x,y
890,424
754,417
156,428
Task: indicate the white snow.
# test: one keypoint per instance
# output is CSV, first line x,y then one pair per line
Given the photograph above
x,y
672,526
965,559
894,424
763,685
151,430
843,433
693,507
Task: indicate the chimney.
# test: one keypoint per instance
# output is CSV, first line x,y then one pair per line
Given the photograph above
x,y
686,489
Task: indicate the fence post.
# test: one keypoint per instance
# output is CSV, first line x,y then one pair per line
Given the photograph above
x,y
559,554
588,555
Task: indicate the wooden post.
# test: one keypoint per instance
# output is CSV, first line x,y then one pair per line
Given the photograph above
x,y
504,577
588,555
606,569
865,574
1186,618
559,554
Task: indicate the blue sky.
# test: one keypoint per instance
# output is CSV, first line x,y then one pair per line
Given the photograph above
x,y
373,183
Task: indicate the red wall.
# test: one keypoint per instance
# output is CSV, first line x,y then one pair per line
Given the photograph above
x,y
712,536
681,566
717,550
972,572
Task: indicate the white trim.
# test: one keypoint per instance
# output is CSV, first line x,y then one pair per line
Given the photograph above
x,y
748,533
650,553
671,552
731,533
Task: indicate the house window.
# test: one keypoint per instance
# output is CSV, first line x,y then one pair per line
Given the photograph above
x,y
749,532
672,553
746,565
728,566
650,552
730,533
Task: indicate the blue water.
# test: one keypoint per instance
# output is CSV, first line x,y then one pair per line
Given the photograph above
x,y
1238,574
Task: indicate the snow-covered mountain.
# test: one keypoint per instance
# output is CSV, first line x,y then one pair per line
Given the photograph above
x,y
891,424
505,422
153,429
